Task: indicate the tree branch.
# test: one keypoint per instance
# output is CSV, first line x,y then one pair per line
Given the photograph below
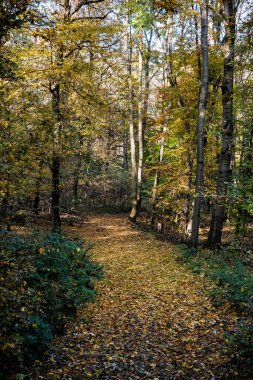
x,y
83,3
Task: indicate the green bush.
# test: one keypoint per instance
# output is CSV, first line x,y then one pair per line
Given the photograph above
x,y
241,342
232,278
233,283
43,281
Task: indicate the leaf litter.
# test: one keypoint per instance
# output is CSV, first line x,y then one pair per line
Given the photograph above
x,y
152,319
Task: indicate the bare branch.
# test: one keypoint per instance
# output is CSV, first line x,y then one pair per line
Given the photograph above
x,y
83,3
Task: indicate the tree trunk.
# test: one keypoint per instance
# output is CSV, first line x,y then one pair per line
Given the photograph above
x,y
162,142
55,203
36,201
56,160
5,212
136,204
125,157
129,53
76,176
147,79
245,175
224,166
76,181
156,180
201,122
196,28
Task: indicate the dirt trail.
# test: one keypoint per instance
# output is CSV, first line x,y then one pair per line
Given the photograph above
x,y
152,320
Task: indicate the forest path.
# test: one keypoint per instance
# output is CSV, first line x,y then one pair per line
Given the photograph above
x,y
152,320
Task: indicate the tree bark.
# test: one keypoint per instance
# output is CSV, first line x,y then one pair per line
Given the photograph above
x,y
55,204
147,79
129,53
224,166
245,175
56,160
125,156
76,181
136,204
156,180
201,122
76,174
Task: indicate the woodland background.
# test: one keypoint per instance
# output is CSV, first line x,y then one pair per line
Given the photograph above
x,y
123,106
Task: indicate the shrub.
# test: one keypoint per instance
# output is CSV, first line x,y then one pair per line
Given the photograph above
x,y
233,283
43,281
241,342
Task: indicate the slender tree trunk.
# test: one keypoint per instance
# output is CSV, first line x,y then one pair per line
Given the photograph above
x,y
55,204
36,201
188,204
156,180
140,132
125,157
224,166
136,204
56,160
245,175
76,176
5,213
162,142
76,181
129,52
147,80
201,122
143,101
197,44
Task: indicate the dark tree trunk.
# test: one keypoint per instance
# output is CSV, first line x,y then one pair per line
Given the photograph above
x,y
224,166
5,207
56,159
36,203
245,176
76,181
125,157
55,203
197,44
201,122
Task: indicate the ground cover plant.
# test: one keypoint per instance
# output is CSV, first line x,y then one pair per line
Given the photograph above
x,y
44,279
232,276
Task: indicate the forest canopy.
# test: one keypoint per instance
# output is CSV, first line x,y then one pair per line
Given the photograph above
x,y
142,105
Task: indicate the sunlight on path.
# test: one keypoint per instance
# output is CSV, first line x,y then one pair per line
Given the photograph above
x,y
152,320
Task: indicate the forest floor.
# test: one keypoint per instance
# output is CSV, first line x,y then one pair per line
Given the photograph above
x,y
152,319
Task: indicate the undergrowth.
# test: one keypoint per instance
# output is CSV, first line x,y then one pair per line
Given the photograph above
x,y
44,279
233,284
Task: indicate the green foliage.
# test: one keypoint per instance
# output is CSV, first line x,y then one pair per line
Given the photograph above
x,y
44,279
234,284
242,341
35,336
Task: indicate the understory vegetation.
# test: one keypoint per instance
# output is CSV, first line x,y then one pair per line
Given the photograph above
x,y
231,272
44,280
